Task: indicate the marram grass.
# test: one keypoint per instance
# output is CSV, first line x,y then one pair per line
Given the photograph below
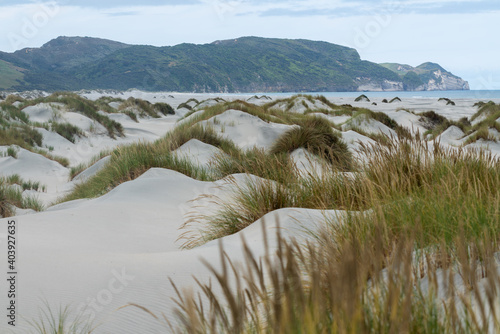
x,y
422,222
373,285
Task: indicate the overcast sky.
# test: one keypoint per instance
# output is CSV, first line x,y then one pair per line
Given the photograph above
x,y
461,35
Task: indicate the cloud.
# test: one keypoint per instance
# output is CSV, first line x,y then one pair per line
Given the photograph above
x,y
454,33
341,12
103,4
124,13
341,8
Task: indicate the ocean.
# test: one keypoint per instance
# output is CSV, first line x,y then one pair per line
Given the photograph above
x,y
451,94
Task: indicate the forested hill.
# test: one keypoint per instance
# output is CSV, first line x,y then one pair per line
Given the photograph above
x,y
248,64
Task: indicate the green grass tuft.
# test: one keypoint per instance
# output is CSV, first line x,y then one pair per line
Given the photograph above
x,y
67,130
362,97
316,135
12,152
76,103
61,321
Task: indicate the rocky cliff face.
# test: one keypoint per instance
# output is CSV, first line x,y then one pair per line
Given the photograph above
x,y
428,76
445,81
384,86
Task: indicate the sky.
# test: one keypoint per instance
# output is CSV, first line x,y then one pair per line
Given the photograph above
x,y
460,35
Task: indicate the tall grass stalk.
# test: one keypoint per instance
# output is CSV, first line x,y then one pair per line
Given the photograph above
x,y
352,285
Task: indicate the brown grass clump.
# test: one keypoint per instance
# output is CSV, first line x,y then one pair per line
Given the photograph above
x,y
372,285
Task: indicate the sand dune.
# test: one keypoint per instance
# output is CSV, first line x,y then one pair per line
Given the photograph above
x,y
99,254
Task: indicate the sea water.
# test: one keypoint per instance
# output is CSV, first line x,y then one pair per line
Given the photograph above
x,y
451,94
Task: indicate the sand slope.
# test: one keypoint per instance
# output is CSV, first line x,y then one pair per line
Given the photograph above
x,y
122,248
98,255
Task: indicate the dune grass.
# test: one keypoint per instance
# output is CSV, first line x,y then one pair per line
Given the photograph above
x,y
61,321
13,98
423,222
11,197
104,101
12,152
361,98
447,100
27,140
67,130
133,106
276,167
164,108
76,170
21,135
437,124
74,102
290,102
129,162
404,184
415,213
18,130
373,285
316,135
59,159
189,104
252,109
489,114
26,185
10,112
480,133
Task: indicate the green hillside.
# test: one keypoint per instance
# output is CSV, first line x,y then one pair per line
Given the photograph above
x,y
248,64
9,75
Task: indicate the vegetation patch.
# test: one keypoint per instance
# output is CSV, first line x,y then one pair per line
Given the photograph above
x,y
76,103
75,171
489,111
67,130
481,133
10,198
164,108
262,97
21,135
26,185
276,167
382,118
316,135
365,285
129,162
447,100
362,98
12,152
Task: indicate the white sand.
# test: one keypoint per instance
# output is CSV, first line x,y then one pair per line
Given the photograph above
x,y
338,120
408,120
198,153
44,112
98,255
368,125
452,136
353,140
92,170
247,131
77,253
306,163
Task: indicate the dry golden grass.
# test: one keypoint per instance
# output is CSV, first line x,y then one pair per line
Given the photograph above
x,y
345,286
